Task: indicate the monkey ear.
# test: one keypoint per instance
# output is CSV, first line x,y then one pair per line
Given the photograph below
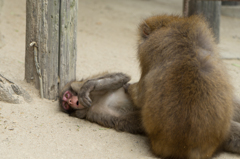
x,y
76,86
145,30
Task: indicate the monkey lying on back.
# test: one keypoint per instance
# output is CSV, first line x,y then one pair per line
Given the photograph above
x,y
184,94
110,104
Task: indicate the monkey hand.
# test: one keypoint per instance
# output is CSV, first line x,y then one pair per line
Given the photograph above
x,y
84,94
125,86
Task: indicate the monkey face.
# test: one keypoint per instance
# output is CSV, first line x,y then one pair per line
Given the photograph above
x,y
69,100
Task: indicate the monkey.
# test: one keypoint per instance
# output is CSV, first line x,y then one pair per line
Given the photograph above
x,y
184,94
102,99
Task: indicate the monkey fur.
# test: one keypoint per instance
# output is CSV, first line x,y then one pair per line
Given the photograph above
x,y
184,94
103,100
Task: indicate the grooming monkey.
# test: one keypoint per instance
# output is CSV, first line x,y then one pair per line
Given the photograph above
x,y
110,104
184,94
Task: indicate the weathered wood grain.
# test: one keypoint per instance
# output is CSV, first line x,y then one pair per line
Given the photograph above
x,y
52,25
31,35
68,36
48,46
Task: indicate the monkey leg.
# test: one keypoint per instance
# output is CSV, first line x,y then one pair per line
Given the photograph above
x,y
130,122
236,111
232,144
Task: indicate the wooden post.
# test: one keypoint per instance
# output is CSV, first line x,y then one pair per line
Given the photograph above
x,y
44,26
32,11
210,10
68,36
185,7
231,3
48,47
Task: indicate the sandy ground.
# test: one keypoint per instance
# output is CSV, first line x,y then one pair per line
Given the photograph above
x,y
106,41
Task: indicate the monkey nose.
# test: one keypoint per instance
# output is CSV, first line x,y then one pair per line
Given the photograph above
x,y
69,101
73,101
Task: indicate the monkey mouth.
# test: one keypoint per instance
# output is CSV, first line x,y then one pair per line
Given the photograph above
x,y
79,106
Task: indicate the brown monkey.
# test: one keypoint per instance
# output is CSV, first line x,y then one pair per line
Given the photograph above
x,y
183,92
110,104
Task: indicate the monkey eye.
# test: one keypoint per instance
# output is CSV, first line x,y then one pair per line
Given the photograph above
x,y
65,105
145,33
67,95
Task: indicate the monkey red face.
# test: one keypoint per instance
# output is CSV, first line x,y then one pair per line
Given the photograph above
x,y
70,101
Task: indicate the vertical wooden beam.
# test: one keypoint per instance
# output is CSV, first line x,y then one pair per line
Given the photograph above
x,y
32,11
185,7
52,24
210,10
231,3
42,27
48,46
68,36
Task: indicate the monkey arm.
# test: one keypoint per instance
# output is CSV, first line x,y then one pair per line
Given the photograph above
x,y
110,81
130,122
133,91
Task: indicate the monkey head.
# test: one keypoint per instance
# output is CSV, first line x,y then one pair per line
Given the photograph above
x,y
68,99
154,23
